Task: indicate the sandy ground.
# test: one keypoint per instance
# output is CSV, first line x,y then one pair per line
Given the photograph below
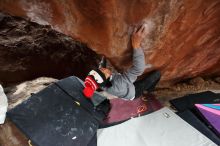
x,y
196,85
11,136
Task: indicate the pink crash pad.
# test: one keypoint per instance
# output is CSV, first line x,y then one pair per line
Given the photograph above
x,y
122,110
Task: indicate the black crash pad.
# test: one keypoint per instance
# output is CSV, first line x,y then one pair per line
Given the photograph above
x,y
53,118
188,101
190,118
73,87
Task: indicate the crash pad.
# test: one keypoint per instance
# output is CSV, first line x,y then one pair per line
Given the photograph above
x,y
211,115
56,117
194,121
3,105
160,128
73,87
188,101
122,110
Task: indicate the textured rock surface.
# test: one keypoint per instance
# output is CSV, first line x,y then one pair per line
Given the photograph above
x,y
184,35
18,93
29,50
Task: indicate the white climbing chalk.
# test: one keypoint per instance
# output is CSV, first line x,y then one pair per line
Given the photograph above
x,y
149,25
74,138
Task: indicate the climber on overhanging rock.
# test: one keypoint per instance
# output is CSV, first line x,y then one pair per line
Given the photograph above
x,y
124,85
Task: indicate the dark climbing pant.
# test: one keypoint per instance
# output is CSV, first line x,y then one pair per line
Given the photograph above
x,y
147,84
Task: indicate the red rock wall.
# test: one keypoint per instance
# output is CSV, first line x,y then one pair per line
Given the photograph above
x,y
183,40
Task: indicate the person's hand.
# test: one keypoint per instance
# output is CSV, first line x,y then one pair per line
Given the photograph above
x,y
137,36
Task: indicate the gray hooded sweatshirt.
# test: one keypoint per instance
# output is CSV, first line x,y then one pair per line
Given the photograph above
x,y
122,84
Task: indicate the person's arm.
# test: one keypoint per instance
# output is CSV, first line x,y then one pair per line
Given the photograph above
x,y
138,55
138,66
